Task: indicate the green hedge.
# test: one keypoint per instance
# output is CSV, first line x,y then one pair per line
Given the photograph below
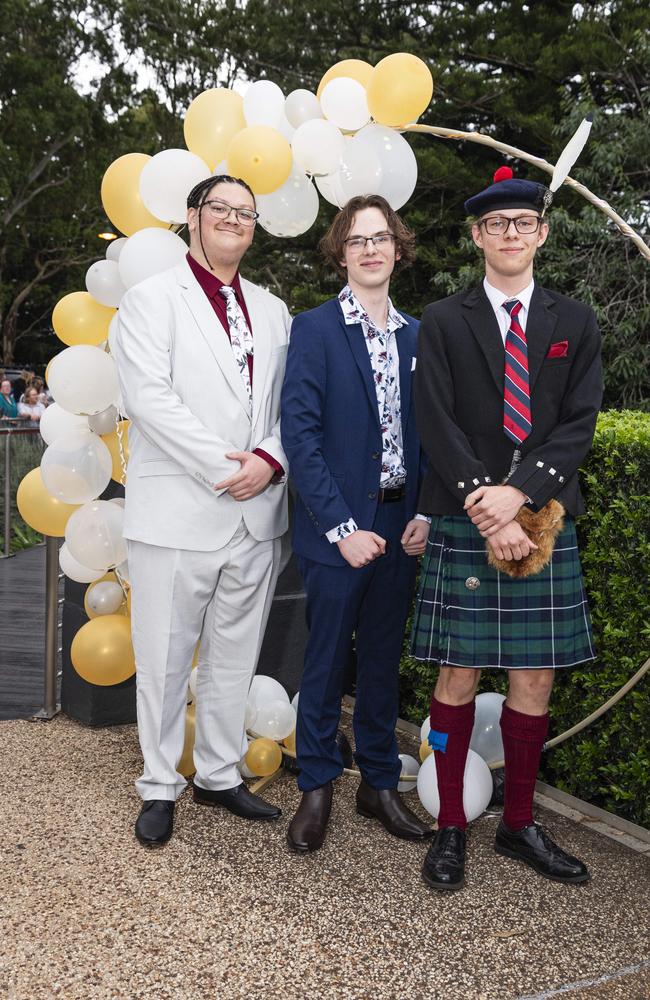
x,y
609,762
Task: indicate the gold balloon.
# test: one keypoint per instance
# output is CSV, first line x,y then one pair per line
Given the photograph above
x,y
263,757
261,156
425,750
102,652
120,195
212,120
112,443
107,578
39,509
195,658
399,90
290,741
79,319
185,765
356,69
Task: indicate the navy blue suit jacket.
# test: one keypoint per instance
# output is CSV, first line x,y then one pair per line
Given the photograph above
x,y
330,427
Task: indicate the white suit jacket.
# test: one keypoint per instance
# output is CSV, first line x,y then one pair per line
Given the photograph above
x,y
188,407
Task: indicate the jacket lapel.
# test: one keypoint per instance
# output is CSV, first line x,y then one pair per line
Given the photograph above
x,y
357,342
540,326
405,377
261,342
483,323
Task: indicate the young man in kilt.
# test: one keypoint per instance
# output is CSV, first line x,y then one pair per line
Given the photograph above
x,y
507,388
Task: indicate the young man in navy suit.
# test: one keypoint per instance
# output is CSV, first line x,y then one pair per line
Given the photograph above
x,y
348,430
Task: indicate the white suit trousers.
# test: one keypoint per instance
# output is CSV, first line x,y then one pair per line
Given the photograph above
x,y
180,596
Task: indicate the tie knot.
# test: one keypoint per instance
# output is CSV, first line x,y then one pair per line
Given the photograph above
x,y
227,291
512,306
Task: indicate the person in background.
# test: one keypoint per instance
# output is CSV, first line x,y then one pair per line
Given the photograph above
x,y
8,405
31,407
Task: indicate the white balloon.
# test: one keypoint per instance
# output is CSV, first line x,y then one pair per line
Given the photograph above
x,y
411,767
344,103
251,715
76,468
294,701
425,729
120,501
83,379
264,689
360,171
104,422
317,146
477,786
122,571
57,422
74,570
93,535
104,283
105,597
292,209
486,737
302,106
397,159
148,252
331,189
285,128
114,248
167,179
263,104
275,719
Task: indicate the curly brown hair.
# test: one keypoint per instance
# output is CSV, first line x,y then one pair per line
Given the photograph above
x,y
332,245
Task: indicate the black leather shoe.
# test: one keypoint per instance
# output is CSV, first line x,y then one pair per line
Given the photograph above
x,y
307,828
155,824
444,865
534,847
237,800
386,805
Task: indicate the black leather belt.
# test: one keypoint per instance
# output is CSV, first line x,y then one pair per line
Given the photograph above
x,y
392,494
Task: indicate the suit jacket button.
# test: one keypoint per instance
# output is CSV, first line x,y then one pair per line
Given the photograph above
x,y
375,455
372,495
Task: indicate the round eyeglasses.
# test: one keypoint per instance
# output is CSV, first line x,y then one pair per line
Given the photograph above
x,y
221,210
498,225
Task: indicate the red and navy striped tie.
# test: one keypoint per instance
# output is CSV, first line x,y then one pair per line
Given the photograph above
x,y
516,390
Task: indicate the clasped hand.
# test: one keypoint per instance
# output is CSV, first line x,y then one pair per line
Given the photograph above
x,y
490,508
511,542
254,475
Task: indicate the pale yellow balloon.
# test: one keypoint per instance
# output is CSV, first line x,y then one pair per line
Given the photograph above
x,y
107,578
79,319
102,652
121,195
112,443
39,509
263,757
185,765
212,120
261,156
425,750
355,69
399,89
290,742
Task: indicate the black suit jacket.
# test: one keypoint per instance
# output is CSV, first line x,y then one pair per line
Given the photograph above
x,y
459,399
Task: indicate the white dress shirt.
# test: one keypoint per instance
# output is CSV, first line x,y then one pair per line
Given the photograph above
x,y
497,298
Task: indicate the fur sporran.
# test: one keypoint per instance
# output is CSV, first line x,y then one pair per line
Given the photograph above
x,y
542,527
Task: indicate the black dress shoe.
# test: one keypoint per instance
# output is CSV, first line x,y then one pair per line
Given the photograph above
x,y
386,805
534,847
307,828
155,824
237,800
444,865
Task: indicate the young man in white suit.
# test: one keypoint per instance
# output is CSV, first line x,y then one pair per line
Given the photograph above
x,y
205,500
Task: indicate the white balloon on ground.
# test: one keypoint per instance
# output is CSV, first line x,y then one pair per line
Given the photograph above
x,y
74,570
251,715
477,786
105,597
93,534
167,179
275,719
57,422
425,729
263,104
104,283
398,164
292,209
148,252
410,767
76,468
244,769
344,103
317,147
486,738
302,106
104,422
115,247
83,379
264,689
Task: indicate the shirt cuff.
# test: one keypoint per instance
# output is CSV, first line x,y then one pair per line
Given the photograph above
x,y
279,471
422,517
341,531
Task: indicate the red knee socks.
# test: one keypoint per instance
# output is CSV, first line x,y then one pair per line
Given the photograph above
x,y
451,730
523,739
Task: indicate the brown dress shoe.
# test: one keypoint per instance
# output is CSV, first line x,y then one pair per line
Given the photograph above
x,y
307,828
386,805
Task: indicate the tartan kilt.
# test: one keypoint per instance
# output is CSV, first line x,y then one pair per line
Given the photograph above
x,y
528,623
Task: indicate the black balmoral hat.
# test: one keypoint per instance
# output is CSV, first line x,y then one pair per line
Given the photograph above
x,y
507,192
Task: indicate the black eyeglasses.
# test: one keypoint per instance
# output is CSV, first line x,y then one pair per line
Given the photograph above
x,y
498,225
221,210
358,243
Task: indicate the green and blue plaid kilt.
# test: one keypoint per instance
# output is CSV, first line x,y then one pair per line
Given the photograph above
x,y
536,621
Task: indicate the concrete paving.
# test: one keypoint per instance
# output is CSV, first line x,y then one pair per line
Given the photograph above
x,y
225,912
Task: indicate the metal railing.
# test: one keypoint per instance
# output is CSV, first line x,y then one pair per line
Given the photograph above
x,y
13,472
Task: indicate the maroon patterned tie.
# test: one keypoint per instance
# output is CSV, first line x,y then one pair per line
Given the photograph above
x,y
516,390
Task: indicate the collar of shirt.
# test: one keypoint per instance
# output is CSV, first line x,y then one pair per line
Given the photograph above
x,y
353,312
209,282
497,298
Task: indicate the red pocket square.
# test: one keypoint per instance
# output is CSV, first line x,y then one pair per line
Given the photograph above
x,y
559,350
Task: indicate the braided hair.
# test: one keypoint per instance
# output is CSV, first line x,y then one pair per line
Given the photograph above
x,y
198,196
